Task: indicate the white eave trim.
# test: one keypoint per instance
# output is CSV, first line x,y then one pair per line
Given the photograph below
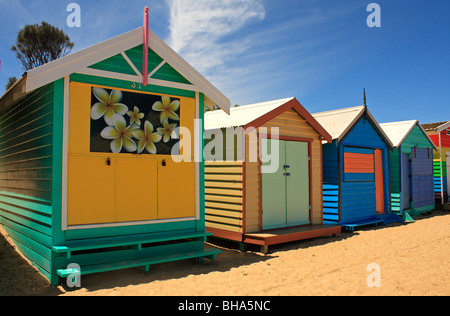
x,y
443,127
79,61
67,65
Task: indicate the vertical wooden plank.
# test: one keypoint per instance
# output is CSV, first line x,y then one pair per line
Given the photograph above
x,y
448,170
340,153
320,191
379,180
65,154
58,237
197,153
406,179
57,165
200,222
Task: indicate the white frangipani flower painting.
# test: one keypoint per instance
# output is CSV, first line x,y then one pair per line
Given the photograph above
x,y
137,123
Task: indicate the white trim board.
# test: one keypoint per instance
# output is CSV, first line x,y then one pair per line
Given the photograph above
x,y
156,69
159,221
197,139
69,64
131,78
128,60
65,155
443,127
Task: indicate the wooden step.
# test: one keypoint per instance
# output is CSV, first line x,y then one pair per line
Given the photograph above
x,y
136,241
365,222
143,262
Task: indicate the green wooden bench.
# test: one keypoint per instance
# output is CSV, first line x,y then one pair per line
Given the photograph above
x,y
145,262
101,243
136,243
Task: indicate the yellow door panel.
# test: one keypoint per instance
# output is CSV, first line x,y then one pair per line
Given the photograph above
x,y
187,114
176,190
135,190
90,196
79,118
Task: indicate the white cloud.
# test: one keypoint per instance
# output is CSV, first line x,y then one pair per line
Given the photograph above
x,y
284,54
199,30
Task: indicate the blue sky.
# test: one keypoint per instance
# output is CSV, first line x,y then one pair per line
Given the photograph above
x,y
320,51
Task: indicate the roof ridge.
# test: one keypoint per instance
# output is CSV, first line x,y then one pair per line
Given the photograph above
x,y
399,122
253,105
435,123
261,103
339,111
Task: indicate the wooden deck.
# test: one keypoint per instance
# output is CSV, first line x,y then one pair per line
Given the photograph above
x,y
284,235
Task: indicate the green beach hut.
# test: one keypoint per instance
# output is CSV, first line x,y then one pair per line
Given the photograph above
x,y
90,159
411,168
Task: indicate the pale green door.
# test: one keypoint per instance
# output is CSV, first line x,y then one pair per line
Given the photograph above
x,y
273,185
297,184
285,193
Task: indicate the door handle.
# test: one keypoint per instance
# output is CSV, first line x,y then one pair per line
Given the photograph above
x,y
286,166
108,161
287,174
163,163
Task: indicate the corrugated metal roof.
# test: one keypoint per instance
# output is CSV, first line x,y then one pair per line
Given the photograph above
x,y
337,122
240,115
398,131
438,127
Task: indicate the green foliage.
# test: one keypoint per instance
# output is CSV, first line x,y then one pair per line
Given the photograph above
x,y
39,44
11,81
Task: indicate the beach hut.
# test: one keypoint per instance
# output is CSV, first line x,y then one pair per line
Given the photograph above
x,y
269,190
355,169
440,135
90,158
411,169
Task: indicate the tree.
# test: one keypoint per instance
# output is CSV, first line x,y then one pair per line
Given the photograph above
x,y
11,81
39,44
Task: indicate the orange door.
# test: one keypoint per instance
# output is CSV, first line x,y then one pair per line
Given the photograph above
x,y
379,180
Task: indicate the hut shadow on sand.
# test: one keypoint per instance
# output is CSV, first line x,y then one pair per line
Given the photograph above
x,y
19,277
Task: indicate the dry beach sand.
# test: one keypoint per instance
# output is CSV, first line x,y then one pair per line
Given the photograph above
x,y
414,259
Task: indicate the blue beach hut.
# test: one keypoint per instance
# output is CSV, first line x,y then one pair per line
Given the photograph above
x,y
355,169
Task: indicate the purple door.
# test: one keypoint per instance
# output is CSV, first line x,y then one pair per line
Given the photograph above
x,y
422,177
406,179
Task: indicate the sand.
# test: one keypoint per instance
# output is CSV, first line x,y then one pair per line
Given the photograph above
x,y
414,259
